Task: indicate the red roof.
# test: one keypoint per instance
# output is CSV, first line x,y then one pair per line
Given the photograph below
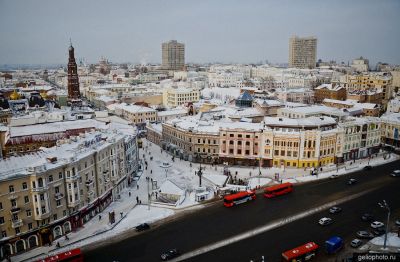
x,y
62,256
299,251
277,187
238,195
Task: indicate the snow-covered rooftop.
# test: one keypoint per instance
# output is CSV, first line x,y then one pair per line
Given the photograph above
x,y
68,152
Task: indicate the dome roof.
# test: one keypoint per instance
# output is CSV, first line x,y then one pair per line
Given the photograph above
x,y
15,95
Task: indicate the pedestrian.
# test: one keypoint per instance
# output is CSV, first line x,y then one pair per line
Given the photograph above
x,y
151,179
137,199
129,193
99,217
140,202
122,214
66,237
58,245
151,171
146,167
137,186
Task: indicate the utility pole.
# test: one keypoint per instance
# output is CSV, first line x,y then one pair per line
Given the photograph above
x,y
385,206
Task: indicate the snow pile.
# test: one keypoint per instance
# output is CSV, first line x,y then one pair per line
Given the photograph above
x,y
392,240
218,180
255,182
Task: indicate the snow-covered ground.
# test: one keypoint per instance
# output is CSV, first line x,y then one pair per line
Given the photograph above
x,y
393,240
182,173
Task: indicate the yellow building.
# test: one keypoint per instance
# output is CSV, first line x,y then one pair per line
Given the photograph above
x,y
177,96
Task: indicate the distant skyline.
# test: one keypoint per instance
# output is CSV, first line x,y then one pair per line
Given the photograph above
x,y
229,31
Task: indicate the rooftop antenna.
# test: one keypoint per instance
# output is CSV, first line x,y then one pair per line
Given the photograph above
x,y
70,42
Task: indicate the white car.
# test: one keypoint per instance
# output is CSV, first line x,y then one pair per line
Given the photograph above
x,y
325,221
395,173
377,224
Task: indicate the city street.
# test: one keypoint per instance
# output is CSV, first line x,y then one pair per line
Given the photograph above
x,y
217,223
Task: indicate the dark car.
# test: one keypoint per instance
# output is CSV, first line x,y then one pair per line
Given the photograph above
x,y
379,231
367,217
351,181
170,254
142,227
367,167
365,234
334,210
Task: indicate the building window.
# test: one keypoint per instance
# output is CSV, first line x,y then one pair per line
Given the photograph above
x,y
64,212
13,203
55,217
1,220
24,185
17,231
3,233
50,178
247,152
230,151
26,198
28,213
30,226
60,175
11,188
1,205
58,202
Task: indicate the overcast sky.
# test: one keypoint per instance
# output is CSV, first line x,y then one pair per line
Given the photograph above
x,y
38,31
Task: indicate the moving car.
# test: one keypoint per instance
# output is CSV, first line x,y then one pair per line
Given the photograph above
x,y
377,224
367,217
334,210
142,227
351,181
367,167
170,254
333,176
356,242
325,221
364,234
395,173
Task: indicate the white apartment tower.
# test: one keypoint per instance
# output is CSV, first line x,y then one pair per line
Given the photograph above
x,y
173,55
302,52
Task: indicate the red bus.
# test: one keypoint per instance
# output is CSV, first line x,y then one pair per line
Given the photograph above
x,y
73,255
278,190
301,253
239,198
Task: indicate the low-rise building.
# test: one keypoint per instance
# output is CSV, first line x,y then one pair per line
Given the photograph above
x,y
173,97
330,91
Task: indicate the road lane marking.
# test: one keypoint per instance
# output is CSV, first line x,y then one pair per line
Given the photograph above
x,y
267,227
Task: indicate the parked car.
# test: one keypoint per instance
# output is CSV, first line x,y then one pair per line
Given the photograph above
x,y
325,221
367,217
397,222
333,176
356,242
142,227
351,181
367,167
365,234
395,173
377,224
334,210
379,231
170,254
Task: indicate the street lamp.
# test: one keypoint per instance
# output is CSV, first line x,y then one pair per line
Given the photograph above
x,y
385,206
